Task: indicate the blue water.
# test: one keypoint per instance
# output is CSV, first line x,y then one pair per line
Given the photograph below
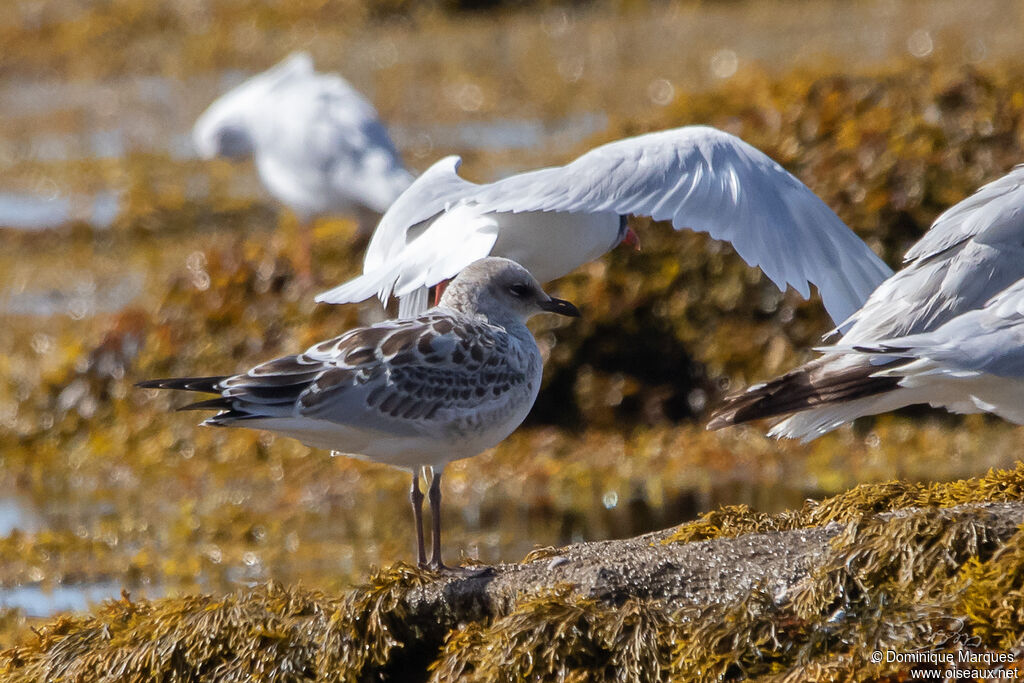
x,y
80,298
16,515
36,601
40,212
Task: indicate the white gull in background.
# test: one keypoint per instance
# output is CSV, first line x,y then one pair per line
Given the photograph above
x,y
414,393
944,330
556,219
318,144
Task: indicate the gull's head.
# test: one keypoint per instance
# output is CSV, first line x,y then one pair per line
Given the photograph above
x,y
500,289
224,129
229,140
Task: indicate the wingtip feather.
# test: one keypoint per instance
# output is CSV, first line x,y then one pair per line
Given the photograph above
x,y
357,289
206,385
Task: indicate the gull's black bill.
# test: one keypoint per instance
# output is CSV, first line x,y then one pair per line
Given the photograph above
x,y
561,307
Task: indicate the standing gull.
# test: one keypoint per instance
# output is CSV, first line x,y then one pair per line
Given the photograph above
x,y
318,144
413,393
556,219
944,330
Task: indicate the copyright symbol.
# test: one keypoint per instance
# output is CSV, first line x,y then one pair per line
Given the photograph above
x,y
876,656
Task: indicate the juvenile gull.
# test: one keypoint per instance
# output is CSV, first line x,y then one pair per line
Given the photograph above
x,y
556,219
318,144
944,330
414,393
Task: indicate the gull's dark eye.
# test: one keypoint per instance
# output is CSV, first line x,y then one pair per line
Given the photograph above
x,y
519,290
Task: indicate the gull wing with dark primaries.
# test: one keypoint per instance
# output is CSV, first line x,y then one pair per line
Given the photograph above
x,y
393,376
956,305
974,361
815,385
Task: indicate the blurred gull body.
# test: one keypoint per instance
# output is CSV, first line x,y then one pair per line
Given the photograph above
x,y
413,393
946,330
318,144
556,219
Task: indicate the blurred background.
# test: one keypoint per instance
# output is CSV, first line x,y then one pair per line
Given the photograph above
x,y
126,257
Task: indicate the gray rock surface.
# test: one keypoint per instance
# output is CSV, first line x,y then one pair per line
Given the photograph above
x,y
681,574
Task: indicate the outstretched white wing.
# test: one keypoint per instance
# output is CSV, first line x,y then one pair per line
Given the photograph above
x,y
704,179
433,192
410,249
696,177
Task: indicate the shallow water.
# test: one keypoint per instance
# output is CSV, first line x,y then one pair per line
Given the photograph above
x,y
38,601
79,297
40,212
16,514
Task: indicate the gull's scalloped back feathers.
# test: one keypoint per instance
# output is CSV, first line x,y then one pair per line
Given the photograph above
x,y
396,370
457,367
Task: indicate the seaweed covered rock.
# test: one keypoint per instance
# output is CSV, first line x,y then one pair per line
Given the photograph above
x,y
803,595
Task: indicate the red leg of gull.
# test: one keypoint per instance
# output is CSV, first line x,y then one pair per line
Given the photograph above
x,y
439,291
